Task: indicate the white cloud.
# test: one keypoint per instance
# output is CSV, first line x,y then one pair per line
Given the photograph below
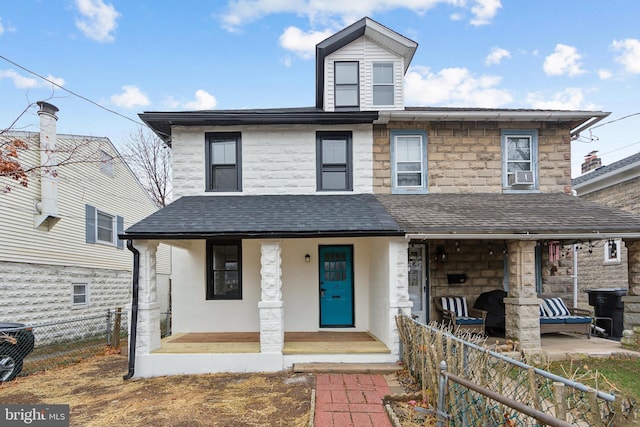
x,y
98,21
243,12
605,74
453,87
484,11
203,101
630,54
565,60
571,98
130,97
497,55
302,43
1,27
19,81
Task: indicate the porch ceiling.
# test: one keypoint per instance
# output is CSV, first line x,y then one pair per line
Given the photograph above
x,y
507,214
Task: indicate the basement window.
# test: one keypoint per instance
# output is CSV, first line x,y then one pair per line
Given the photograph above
x,y
79,294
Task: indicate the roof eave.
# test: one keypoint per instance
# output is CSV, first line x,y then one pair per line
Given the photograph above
x,y
261,235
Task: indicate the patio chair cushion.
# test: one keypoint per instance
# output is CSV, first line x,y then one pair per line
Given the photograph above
x,y
555,307
542,312
468,321
577,319
456,304
552,320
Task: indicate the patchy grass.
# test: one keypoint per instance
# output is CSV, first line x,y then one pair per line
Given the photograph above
x,y
618,374
98,396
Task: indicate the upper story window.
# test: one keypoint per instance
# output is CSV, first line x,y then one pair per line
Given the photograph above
x,y
383,84
102,227
408,161
224,270
347,92
106,163
334,161
519,165
222,154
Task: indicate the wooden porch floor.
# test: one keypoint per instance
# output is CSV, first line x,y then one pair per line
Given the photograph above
x,y
294,343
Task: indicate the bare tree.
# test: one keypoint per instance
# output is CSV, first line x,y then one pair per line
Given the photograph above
x,y
150,160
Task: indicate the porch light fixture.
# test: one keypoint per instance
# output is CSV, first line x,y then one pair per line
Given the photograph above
x,y
490,249
441,254
307,258
457,245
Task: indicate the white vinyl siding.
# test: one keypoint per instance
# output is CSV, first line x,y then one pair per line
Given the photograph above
x,y
79,185
366,53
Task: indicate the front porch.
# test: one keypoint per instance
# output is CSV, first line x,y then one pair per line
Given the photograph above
x,y
301,343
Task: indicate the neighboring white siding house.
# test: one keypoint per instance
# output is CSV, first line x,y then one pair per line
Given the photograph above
x,y
60,256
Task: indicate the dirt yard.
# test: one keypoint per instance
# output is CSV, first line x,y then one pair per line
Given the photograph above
x,y
98,396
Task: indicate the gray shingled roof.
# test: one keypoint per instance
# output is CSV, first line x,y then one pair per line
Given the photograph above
x,y
267,216
606,169
505,213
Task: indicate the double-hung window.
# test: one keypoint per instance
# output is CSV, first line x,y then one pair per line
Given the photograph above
x,y
80,294
409,160
103,227
520,153
224,269
347,91
612,250
334,161
222,153
383,83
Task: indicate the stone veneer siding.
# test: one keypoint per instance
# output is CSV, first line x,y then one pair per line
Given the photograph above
x,y
42,293
466,157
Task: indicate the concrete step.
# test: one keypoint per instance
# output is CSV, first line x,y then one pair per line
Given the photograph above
x,y
347,368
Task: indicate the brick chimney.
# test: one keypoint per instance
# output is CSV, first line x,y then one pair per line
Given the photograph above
x,y
47,206
591,162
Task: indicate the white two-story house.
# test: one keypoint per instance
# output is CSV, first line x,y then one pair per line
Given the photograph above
x,y
60,255
299,234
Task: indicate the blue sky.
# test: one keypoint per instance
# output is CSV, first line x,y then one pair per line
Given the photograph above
x,y
133,56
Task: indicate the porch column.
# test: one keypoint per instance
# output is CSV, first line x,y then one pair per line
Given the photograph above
x,y
399,301
631,315
522,306
271,306
148,334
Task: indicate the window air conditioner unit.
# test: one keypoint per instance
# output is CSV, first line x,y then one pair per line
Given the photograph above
x,y
523,177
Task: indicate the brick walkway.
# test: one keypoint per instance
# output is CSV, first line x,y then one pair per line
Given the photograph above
x,y
344,400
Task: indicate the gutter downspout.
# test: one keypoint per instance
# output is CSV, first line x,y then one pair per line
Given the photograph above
x,y
134,310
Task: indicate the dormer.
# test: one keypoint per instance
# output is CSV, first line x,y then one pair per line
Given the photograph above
x,y
362,67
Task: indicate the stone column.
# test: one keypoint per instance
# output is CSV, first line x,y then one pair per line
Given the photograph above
x,y
271,305
522,305
631,319
148,334
398,289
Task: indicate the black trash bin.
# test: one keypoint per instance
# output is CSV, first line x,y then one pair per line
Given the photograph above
x,y
607,303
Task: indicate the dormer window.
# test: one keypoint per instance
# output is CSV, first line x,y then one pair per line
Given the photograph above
x,y
383,83
346,84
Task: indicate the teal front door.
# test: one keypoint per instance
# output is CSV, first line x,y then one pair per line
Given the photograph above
x,y
336,286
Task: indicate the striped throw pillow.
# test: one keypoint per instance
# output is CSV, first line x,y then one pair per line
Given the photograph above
x,y
456,304
555,307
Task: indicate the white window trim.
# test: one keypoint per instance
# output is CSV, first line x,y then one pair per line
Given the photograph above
x,y
114,231
533,134
418,189
608,259
86,295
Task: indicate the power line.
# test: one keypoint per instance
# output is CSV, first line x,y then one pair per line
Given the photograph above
x,y
616,120
72,92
